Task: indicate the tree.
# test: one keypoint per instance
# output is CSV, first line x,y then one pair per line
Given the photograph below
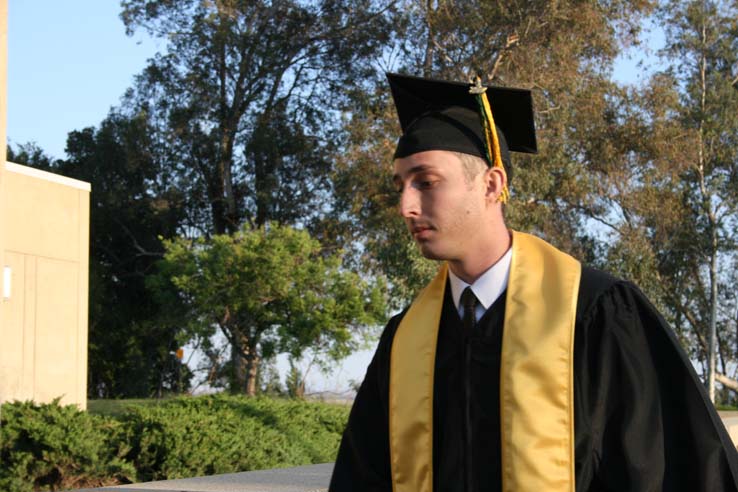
x,y
661,181
702,39
244,101
702,106
269,290
244,98
30,154
132,204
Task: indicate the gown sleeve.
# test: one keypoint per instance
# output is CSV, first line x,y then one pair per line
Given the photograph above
x,y
363,461
644,421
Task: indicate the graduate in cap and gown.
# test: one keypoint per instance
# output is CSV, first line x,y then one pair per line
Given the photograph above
x,y
516,369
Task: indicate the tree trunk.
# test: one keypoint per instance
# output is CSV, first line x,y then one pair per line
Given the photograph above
x,y
252,372
217,208
713,320
246,360
300,393
429,44
707,205
240,370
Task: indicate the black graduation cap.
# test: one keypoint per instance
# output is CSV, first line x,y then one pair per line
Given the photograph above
x,y
443,115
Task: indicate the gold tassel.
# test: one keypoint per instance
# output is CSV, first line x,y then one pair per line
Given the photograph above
x,y
492,144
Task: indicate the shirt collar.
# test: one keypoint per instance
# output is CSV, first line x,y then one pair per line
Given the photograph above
x,y
488,286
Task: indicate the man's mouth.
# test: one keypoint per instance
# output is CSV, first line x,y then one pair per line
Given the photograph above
x,y
420,231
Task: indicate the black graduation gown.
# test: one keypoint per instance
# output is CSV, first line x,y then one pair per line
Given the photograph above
x,y
643,421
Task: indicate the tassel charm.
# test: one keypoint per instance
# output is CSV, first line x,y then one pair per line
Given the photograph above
x,y
492,144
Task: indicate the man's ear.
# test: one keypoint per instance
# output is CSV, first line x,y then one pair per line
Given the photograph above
x,y
495,181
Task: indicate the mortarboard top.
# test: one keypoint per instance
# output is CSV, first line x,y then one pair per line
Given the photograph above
x,y
442,115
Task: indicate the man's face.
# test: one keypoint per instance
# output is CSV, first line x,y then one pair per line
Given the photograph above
x,y
444,212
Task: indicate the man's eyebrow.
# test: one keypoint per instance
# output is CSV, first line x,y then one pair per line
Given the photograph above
x,y
413,170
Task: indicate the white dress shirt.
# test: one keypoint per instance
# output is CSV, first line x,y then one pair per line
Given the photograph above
x,y
487,287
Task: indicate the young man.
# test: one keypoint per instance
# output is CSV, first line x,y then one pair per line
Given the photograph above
x,y
516,368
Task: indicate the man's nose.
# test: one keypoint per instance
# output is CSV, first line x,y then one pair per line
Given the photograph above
x,y
409,203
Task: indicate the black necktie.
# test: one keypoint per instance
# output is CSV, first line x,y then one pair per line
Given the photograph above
x,y
469,301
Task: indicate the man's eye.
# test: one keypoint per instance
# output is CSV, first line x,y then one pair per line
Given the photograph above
x,y
424,184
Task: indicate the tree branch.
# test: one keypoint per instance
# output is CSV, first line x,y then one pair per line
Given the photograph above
x,y
512,40
729,383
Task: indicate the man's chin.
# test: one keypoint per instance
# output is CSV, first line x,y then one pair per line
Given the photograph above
x,y
429,252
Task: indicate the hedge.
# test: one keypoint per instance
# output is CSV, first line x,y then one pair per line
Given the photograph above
x,y
50,447
53,447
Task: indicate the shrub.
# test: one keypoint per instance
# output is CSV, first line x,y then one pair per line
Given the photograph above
x,y
314,428
50,447
220,434
202,436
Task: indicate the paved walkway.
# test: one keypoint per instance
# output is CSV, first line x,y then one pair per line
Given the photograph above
x,y
313,478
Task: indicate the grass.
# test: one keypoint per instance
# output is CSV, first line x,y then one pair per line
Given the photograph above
x,y
726,408
115,408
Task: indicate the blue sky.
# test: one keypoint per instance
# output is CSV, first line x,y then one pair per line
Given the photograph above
x,y
68,62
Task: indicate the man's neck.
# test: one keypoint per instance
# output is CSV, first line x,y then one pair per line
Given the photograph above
x,y
470,269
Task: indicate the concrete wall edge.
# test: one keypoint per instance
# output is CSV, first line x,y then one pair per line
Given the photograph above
x,y
47,176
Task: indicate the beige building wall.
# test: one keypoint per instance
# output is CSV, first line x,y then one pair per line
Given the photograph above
x,y
45,220
44,238
3,120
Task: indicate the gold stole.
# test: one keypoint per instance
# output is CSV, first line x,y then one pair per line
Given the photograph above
x,y
536,375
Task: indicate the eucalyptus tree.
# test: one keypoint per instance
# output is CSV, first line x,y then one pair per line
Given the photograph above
x,y
244,96
702,52
662,182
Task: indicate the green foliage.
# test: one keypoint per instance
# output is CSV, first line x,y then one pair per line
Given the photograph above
x,y
270,382
51,447
314,429
244,96
30,154
133,203
48,447
664,179
116,408
203,436
295,381
270,290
